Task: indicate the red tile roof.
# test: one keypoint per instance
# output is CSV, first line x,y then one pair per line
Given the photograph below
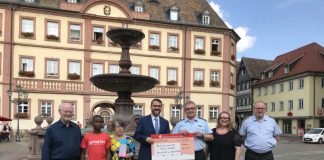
x,y
309,58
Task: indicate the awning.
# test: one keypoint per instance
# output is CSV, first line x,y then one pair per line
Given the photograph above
x,y
2,118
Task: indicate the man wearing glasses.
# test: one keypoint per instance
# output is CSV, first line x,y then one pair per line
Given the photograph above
x,y
197,126
260,133
150,124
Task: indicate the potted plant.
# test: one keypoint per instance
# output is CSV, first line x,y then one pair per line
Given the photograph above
x,y
155,47
199,51
27,34
21,115
172,82
52,37
215,53
214,83
198,82
173,49
73,76
27,73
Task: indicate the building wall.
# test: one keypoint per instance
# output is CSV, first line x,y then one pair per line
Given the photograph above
x,y
85,96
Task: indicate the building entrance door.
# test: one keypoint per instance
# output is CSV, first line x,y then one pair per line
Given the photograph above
x,y
286,126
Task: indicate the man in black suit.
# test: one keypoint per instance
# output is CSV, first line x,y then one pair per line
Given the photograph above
x,y
150,124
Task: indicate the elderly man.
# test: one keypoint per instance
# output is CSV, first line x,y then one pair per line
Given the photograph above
x,y
63,138
260,133
197,126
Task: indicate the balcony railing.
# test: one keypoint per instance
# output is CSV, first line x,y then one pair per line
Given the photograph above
x,y
78,87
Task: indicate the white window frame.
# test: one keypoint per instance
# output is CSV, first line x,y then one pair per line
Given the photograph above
x,y
138,108
281,105
206,19
52,28
172,74
282,87
27,64
199,111
27,25
199,75
216,43
135,70
175,111
97,68
154,39
214,76
23,107
154,72
138,8
72,1
173,15
114,68
199,43
173,41
290,105
213,113
300,104
273,89
273,106
301,83
291,85
52,67
46,107
75,67
96,33
75,32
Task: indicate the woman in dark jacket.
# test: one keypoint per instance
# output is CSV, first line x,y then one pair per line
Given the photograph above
x,y
227,141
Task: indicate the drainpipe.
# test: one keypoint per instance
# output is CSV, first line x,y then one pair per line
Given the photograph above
x,y
314,110
12,9
184,70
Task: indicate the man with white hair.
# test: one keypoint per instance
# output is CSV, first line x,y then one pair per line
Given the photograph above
x,y
63,138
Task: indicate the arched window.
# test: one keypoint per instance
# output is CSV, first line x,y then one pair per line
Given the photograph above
x,y
139,6
106,115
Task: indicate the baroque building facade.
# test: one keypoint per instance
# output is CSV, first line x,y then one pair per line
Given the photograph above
x,y
52,47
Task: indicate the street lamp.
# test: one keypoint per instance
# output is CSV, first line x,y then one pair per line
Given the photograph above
x,y
177,102
22,97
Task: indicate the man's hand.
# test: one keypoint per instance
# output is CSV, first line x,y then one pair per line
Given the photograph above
x,y
149,140
184,132
199,134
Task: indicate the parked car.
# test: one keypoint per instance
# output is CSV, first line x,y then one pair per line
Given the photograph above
x,y
315,135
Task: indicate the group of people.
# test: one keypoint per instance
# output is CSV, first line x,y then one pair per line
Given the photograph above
x,y
259,132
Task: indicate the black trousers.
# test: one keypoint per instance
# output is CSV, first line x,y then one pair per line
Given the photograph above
x,y
251,155
200,155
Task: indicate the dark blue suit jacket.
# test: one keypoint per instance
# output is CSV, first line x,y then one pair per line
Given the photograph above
x,y
143,130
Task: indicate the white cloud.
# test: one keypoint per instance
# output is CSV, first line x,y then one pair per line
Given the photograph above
x,y
247,41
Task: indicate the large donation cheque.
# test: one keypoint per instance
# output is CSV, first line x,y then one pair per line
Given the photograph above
x,y
173,147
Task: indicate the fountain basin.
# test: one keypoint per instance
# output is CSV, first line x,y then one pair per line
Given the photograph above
x,y
125,36
124,82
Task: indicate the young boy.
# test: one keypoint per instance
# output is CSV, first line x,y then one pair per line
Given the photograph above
x,y
96,142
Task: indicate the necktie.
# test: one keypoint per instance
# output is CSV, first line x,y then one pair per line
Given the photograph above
x,y
156,127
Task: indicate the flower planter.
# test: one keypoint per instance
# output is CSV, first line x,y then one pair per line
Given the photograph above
x,y
73,76
154,47
22,115
200,51
173,49
199,83
98,41
215,53
27,34
52,37
27,73
172,82
214,83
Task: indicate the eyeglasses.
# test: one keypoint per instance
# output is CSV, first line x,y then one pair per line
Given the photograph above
x,y
187,109
224,118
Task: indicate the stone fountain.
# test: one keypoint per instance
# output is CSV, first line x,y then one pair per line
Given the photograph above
x,y
124,83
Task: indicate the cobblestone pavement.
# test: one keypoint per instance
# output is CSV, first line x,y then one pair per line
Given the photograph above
x,y
14,150
289,148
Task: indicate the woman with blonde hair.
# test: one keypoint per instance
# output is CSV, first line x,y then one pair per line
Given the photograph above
x,y
227,141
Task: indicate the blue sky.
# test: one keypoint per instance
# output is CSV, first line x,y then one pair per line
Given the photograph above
x,y
269,28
